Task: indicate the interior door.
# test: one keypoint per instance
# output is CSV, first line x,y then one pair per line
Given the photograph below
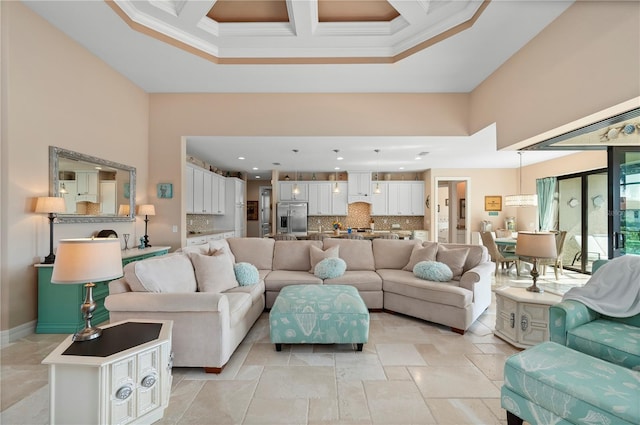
x,y
624,204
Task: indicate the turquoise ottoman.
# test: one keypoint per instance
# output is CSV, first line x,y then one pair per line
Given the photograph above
x,y
319,314
552,384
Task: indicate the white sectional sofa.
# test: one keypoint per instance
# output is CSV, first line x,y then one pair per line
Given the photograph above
x,y
208,326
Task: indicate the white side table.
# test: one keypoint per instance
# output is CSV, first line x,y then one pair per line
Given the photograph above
x,y
122,377
522,317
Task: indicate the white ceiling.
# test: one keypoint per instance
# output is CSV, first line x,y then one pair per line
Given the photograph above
x,y
456,64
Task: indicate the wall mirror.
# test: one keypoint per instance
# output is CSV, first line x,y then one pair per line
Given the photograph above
x,y
95,190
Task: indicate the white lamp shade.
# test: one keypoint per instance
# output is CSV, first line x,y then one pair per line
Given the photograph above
x,y
50,204
87,260
124,209
536,245
146,210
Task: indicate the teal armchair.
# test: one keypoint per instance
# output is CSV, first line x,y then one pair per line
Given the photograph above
x,y
614,339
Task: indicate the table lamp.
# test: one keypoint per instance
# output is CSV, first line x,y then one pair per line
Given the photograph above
x,y
50,205
124,210
84,261
536,245
146,210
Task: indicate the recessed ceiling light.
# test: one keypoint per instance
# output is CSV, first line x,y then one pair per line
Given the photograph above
x,y
401,168
254,168
418,158
340,158
241,157
257,177
336,168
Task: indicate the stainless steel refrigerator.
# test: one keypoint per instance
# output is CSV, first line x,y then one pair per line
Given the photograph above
x,y
292,217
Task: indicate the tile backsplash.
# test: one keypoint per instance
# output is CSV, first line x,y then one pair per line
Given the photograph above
x,y
197,223
359,215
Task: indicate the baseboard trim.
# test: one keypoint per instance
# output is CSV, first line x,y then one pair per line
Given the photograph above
x,y
10,335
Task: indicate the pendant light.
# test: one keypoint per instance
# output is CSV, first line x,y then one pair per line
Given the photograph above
x,y
377,190
296,189
336,188
521,200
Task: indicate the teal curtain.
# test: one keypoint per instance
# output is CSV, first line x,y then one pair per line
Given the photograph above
x,y
547,207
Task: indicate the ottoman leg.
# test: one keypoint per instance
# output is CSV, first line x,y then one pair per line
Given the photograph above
x,y
513,419
359,347
278,347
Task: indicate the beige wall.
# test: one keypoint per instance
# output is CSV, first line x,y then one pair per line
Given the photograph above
x,y
173,116
583,62
55,93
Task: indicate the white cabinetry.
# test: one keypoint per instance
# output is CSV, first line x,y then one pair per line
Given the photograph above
x,y
380,201
123,378
285,191
522,317
324,201
406,198
235,216
87,186
359,186
205,191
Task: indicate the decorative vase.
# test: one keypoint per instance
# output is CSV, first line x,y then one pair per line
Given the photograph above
x,y
336,232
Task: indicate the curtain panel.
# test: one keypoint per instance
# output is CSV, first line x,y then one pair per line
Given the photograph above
x,y
547,204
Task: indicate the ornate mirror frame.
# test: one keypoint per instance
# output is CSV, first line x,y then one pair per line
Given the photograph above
x,y
55,153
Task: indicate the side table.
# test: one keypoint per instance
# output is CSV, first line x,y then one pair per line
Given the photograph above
x,y
522,317
122,377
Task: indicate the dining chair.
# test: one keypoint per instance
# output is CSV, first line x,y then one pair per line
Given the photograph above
x,y
388,236
353,236
555,262
505,259
285,237
317,236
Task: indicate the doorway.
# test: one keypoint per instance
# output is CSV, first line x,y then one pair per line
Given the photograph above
x,y
449,212
265,210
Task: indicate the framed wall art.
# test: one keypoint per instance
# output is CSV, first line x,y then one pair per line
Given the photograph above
x,y
493,203
252,210
165,190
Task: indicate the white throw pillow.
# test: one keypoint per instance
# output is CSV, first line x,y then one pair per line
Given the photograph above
x,y
166,273
317,254
214,272
454,258
426,252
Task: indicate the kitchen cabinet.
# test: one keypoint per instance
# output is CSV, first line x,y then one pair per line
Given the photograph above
x,y
59,305
285,191
235,216
406,198
380,201
359,186
205,193
87,186
324,201
122,377
108,197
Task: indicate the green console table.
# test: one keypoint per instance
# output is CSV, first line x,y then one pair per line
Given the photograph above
x,y
59,305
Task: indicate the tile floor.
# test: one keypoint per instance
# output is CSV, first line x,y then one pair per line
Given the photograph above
x,y
410,372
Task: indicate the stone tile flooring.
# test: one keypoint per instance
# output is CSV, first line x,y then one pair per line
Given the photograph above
x,y
410,372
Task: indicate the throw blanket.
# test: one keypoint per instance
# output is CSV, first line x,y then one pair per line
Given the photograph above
x,y
613,290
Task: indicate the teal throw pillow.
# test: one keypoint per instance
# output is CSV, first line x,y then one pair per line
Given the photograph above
x,y
330,268
433,270
246,274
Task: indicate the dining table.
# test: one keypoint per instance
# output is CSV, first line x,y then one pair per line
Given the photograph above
x,y
506,244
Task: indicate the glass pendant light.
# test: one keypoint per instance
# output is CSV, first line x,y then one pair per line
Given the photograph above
x,y
336,188
521,200
296,189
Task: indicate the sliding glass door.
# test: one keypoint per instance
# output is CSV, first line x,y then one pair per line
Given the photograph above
x,y
582,213
624,163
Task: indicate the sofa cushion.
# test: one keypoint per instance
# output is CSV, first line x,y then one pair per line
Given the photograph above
x,y
214,273
405,283
455,258
330,268
208,247
293,255
614,342
362,280
246,274
239,305
166,273
433,270
202,248
392,253
257,251
424,252
316,254
358,254
278,279
477,254
255,291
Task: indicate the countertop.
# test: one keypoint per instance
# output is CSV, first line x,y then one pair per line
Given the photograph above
x,y
207,233
365,235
